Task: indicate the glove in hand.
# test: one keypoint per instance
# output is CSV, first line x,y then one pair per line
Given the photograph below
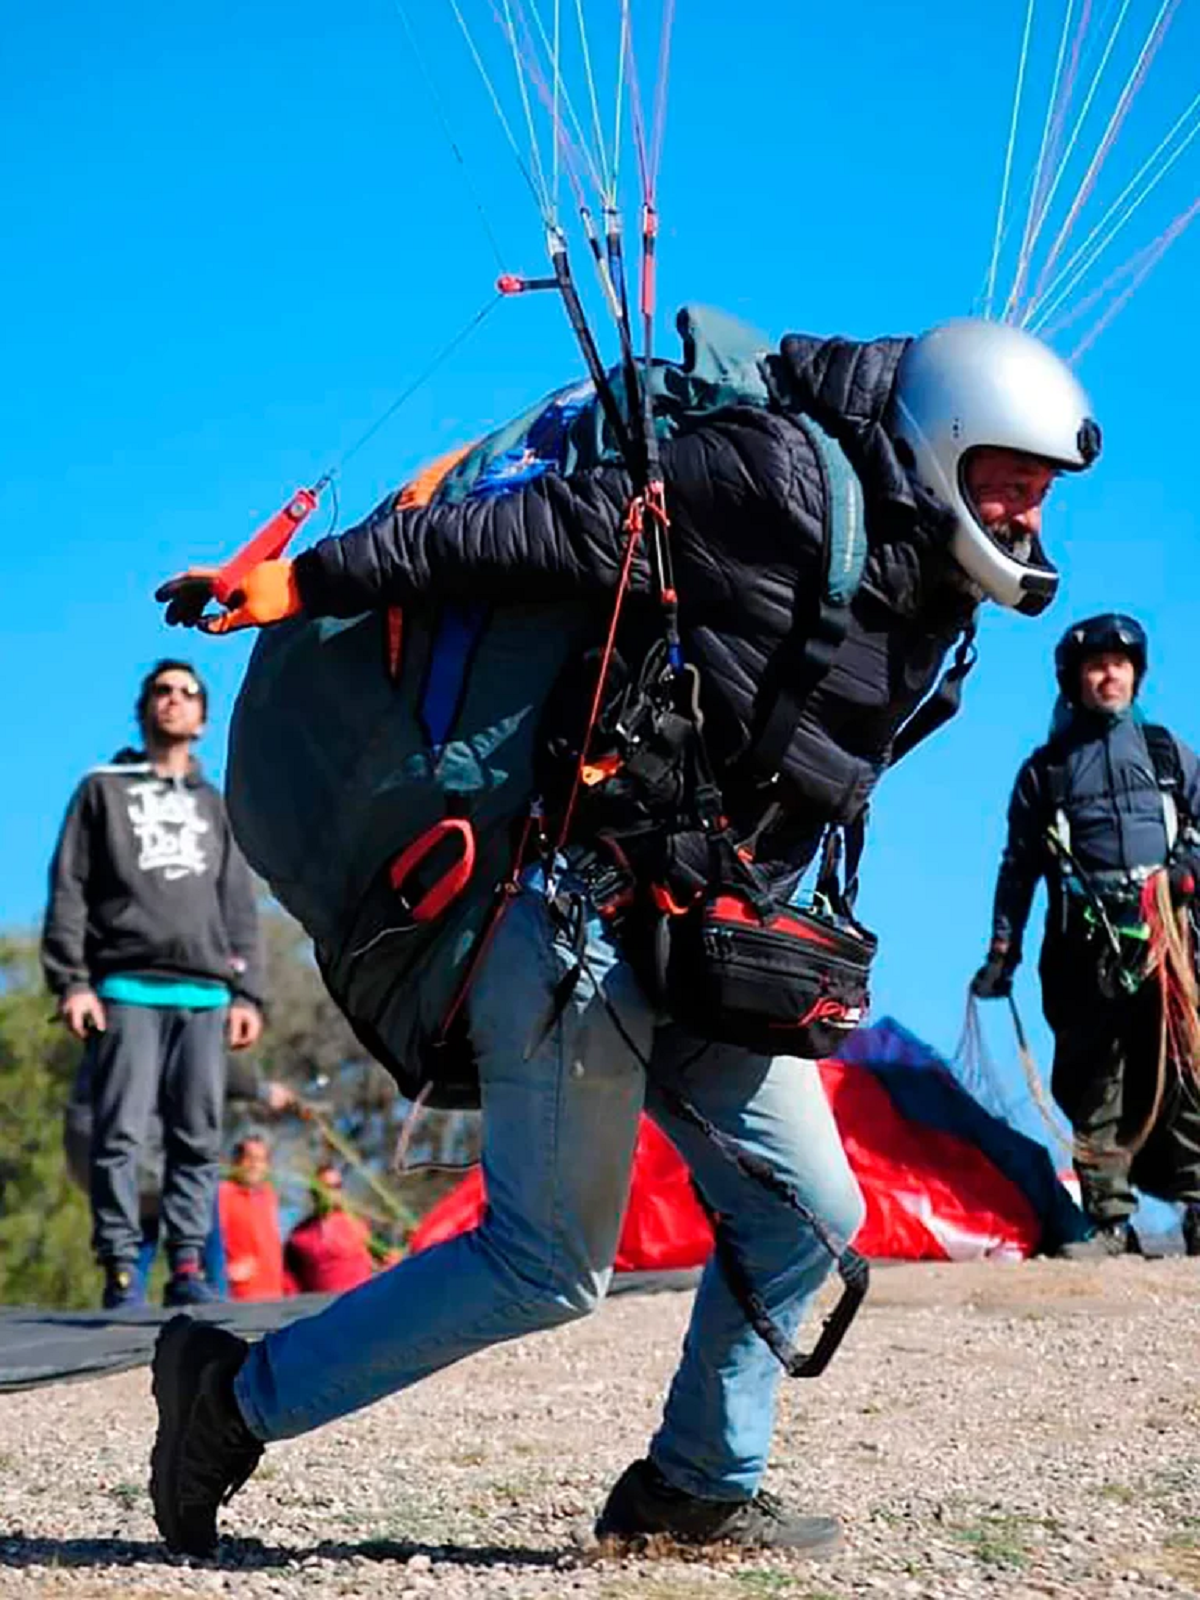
x,y
267,594
994,979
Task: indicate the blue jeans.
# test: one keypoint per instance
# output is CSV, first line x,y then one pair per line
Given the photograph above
x,y
560,1115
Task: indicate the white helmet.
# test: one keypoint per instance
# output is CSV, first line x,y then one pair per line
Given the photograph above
x,y
972,383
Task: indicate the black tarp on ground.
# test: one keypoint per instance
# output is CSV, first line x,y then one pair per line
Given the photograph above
x,y
38,1347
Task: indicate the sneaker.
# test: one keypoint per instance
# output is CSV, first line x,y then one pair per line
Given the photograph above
x,y
1191,1230
1109,1239
187,1286
120,1286
203,1451
642,1503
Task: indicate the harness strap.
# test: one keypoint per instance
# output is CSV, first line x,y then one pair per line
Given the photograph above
x,y
942,704
1168,770
807,653
851,1267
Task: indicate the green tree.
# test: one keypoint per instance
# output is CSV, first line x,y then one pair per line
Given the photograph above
x,y
45,1256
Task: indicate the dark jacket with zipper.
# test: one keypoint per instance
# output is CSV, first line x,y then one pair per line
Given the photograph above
x,y
147,879
1113,805
747,498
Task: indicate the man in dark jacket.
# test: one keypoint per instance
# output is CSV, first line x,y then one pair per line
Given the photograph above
x,y
954,438
1106,804
151,945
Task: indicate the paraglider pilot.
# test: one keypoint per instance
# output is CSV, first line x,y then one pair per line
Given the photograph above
x,y
1105,812
955,439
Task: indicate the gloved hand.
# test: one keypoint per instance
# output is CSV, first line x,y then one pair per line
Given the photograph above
x,y
267,594
993,981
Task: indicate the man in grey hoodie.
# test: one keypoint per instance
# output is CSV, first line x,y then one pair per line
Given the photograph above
x,y
151,945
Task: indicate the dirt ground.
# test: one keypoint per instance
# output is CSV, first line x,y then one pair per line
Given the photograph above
x,y
987,1429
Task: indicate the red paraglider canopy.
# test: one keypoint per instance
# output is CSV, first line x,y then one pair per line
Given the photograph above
x,y
943,1179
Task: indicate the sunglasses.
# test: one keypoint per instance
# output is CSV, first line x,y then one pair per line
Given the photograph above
x,y
164,691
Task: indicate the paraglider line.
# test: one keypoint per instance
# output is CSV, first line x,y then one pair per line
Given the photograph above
x,y
1159,248
1132,84
1008,160
541,199
1054,116
407,393
440,113
1041,311
509,28
1075,132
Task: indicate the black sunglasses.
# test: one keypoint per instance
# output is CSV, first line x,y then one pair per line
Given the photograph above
x,y
162,691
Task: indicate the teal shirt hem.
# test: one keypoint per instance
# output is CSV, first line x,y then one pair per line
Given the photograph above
x,y
139,989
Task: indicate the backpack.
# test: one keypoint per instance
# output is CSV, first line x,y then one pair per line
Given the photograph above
x,y
381,773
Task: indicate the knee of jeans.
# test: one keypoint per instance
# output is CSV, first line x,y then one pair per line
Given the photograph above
x,y
849,1214
567,1299
841,1213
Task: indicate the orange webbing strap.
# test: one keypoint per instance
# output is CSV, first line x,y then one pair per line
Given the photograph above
x,y
418,491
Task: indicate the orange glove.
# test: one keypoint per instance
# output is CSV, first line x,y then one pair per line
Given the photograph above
x,y
267,594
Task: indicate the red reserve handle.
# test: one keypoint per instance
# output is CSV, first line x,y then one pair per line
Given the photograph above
x,y
452,883
268,544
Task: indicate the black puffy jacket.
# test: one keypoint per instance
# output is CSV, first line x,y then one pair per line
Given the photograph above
x,y
747,504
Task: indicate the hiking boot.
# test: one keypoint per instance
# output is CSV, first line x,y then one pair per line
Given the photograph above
x,y
203,1451
187,1285
1191,1230
1109,1239
120,1286
642,1503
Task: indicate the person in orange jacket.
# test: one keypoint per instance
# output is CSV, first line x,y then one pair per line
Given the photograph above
x,y
249,1209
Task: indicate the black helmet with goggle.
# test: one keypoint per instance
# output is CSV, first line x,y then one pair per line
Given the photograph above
x,y
1113,632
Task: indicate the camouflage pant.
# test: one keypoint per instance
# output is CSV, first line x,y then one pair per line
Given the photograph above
x,y
1104,1078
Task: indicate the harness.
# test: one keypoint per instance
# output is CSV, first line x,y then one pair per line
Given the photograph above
x,y
1110,899
645,827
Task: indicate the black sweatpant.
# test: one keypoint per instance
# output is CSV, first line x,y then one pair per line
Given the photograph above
x,y
172,1060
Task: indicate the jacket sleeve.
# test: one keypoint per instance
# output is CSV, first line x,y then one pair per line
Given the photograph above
x,y
1188,848
550,540
554,538
65,928
239,909
1023,861
1190,775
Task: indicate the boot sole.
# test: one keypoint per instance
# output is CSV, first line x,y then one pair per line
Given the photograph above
x,y
666,1543
822,1536
167,1387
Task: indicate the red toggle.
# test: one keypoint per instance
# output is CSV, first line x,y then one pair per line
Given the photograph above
x,y
268,544
453,881
513,283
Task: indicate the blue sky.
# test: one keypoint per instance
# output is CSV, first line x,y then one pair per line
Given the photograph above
x,y
232,234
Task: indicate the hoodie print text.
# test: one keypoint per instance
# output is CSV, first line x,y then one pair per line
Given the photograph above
x,y
169,828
